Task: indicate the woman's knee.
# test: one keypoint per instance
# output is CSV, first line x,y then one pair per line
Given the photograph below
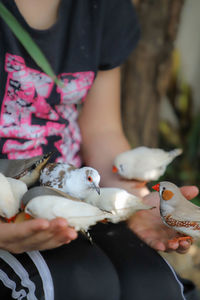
x,y
150,278
142,272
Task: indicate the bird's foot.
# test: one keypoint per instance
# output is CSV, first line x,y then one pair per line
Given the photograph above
x,y
181,238
87,235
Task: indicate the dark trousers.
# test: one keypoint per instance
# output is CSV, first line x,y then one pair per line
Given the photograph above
x,y
118,266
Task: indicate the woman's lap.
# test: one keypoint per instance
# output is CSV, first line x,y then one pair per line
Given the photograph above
x,y
78,271
142,272
117,267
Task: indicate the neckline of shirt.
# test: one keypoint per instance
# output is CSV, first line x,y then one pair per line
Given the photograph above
x,y
30,29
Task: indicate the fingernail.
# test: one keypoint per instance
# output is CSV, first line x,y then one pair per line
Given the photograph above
x,y
185,244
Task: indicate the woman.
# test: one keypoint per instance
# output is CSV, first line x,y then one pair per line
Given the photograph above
x,y
85,42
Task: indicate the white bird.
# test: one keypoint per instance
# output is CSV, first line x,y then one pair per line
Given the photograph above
x,y
143,163
118,202
49,204
12,191
77,182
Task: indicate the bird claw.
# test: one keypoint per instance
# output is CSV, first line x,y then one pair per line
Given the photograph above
x,y
181,238
87,235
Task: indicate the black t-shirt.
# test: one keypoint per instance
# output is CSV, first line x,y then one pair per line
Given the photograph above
x,y
36,115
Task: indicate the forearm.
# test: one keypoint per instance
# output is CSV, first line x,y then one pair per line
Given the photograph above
x,y
100,150
101,129
100,153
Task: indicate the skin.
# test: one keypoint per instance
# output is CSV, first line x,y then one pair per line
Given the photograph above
x,y
38,234
103,139
153,231
38,14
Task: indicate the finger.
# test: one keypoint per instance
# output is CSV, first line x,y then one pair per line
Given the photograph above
x,y
58,230
189,191
57,239
155,244
172,245
54,237
59,224
185,244
183,247
182,251
159,246
22,230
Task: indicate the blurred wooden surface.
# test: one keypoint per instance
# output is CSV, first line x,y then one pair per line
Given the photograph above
x,y
146,73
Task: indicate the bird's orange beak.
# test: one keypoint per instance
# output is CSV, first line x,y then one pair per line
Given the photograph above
x,y
114,169
156,187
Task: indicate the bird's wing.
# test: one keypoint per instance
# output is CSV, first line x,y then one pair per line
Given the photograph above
x,y
71,167
12,167
151,158
15,167
43,191
187,211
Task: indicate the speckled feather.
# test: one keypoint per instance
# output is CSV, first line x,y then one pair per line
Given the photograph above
x,y
77,182
179,213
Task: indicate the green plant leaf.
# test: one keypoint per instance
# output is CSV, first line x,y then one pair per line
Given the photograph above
x,y
28,43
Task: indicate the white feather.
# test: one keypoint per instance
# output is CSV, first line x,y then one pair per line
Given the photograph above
x,y
117,201
144,163
8,204
73,181
78,214
18,187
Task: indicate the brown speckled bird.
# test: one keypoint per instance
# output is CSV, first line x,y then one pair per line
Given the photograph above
x,y
77,182
177,212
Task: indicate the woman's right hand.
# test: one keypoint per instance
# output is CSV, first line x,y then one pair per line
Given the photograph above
x,y
36,234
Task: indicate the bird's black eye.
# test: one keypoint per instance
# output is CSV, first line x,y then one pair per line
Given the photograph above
x,y
89,178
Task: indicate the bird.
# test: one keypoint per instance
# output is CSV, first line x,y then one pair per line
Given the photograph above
x,y
143,163
12,191
77,182
177,212
26,170
116,201
48,203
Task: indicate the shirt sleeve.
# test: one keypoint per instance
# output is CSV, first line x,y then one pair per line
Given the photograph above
x,y
120,34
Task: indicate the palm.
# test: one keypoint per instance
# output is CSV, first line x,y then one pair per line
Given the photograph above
x,y
150,228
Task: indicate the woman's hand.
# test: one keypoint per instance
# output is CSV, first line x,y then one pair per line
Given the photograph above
x,y
37,234
149,227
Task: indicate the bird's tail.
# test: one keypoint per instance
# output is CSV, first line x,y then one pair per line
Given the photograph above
x,y
176,152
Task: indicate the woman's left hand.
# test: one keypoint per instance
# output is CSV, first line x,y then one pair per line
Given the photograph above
x,y
148,225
